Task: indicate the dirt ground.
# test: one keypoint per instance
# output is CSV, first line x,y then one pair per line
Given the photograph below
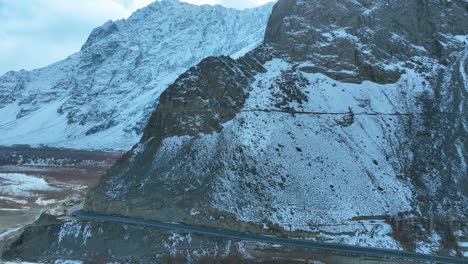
x,y
67,173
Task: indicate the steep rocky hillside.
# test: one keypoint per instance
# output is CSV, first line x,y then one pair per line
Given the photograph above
x,y
350,110
102,96
347,125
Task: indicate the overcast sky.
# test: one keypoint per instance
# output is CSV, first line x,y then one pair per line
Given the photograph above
x,y
36,33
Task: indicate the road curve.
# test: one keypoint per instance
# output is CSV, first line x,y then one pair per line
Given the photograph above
x,y
291,242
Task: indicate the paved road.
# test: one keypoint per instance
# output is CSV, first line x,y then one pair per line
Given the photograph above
x,y
337,248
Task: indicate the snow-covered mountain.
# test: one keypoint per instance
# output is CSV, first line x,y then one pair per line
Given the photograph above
x,y
347,125
102,96
350,117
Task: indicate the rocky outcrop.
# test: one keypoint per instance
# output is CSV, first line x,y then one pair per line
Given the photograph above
x,y
49,241
362,40
203,98
200,101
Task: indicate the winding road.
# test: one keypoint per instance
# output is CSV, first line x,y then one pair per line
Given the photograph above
x,y
291,242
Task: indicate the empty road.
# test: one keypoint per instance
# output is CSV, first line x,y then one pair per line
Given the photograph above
x,y
291,242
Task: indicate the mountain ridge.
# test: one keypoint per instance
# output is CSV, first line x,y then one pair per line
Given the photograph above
x,y
111,86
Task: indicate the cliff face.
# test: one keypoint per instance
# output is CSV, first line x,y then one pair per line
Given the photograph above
x,y
102,96
348,122
361,40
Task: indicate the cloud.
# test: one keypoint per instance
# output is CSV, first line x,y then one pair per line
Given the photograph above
x,y
230,3
135,4
36,33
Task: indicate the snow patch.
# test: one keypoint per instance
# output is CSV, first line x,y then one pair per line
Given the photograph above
x,y
9,232
14,200
43,202
175,240
17,184
62,261
461,38
430,247
75,229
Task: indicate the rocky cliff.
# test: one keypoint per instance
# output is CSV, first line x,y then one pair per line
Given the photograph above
x,y
102,96
347,125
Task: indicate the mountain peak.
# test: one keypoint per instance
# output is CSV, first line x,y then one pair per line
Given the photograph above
x,y
125,62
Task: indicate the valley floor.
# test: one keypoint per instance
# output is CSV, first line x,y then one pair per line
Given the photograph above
x,y
35,180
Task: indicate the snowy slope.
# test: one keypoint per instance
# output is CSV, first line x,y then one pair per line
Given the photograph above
x,y
323,130
102,96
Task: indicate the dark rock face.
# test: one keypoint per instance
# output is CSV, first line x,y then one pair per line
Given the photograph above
x,y
360,40
438,146
203,98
